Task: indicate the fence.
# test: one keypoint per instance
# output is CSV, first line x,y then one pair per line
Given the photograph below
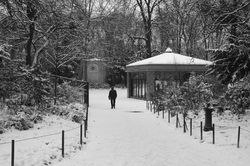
x,y
182,123
82,132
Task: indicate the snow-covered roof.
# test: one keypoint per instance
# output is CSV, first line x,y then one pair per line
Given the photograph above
x,y
170,58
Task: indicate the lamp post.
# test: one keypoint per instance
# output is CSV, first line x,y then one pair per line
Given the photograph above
x,y
208,118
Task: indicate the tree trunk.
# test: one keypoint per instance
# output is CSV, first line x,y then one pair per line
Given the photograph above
x,y
55,90
233,28
148,41
29,44
31,14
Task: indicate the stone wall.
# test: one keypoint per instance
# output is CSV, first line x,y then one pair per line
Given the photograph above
x,y
93,71
96,72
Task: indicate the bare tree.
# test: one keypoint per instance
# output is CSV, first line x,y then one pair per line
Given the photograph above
x,y
147,8
178,25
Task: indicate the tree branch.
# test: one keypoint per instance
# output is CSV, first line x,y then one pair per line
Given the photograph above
x,y
36,57
137,37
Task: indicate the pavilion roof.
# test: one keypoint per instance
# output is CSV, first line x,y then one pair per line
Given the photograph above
x,y
170,59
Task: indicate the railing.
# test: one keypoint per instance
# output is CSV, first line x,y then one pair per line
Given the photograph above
x,y
13,143
154,108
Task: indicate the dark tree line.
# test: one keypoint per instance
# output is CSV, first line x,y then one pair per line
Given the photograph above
x,y
56,35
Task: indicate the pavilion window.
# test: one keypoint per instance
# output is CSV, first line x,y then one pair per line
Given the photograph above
x,y
138,85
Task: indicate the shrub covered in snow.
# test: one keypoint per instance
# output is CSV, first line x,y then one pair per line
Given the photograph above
x,y
22,118
191,95
17,80
68,94
72,111
194,94
26,95
238,96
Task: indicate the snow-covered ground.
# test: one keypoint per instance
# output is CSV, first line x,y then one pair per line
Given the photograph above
x,y
130,135
226,130
44,150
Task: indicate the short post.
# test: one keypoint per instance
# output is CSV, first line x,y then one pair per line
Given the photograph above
x,y
86,94
12,152
63,143
154,107
177,120
150,106
87,117
168,116
201,131
85,128
191,127
213,134
208,118
158,109
81,134
184,124
238,140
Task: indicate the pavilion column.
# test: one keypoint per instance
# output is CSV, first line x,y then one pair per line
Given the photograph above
x,y
85,70
150,78
128,85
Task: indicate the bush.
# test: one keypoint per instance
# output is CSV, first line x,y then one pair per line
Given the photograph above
x,y
2,128
238,96
199,91
21,124
26,92
171,97
36,86
73,111
22,118
77,112
16,78
196,92
191,95
9,83
69,94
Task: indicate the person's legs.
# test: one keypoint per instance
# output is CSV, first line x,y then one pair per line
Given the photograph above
x,y
112,103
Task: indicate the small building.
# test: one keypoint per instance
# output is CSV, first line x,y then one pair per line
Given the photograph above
x,y
146,76
93,70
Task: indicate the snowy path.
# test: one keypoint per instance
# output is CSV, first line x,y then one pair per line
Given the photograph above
x,y
132,136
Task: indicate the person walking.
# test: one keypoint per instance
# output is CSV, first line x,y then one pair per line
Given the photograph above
x,y
112,97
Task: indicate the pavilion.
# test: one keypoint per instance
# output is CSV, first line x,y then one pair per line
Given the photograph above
x,y
149,75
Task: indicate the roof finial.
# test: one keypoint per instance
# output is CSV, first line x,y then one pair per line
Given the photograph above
x,y
168,50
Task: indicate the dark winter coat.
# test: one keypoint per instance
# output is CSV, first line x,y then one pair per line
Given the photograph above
x,y
112,94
